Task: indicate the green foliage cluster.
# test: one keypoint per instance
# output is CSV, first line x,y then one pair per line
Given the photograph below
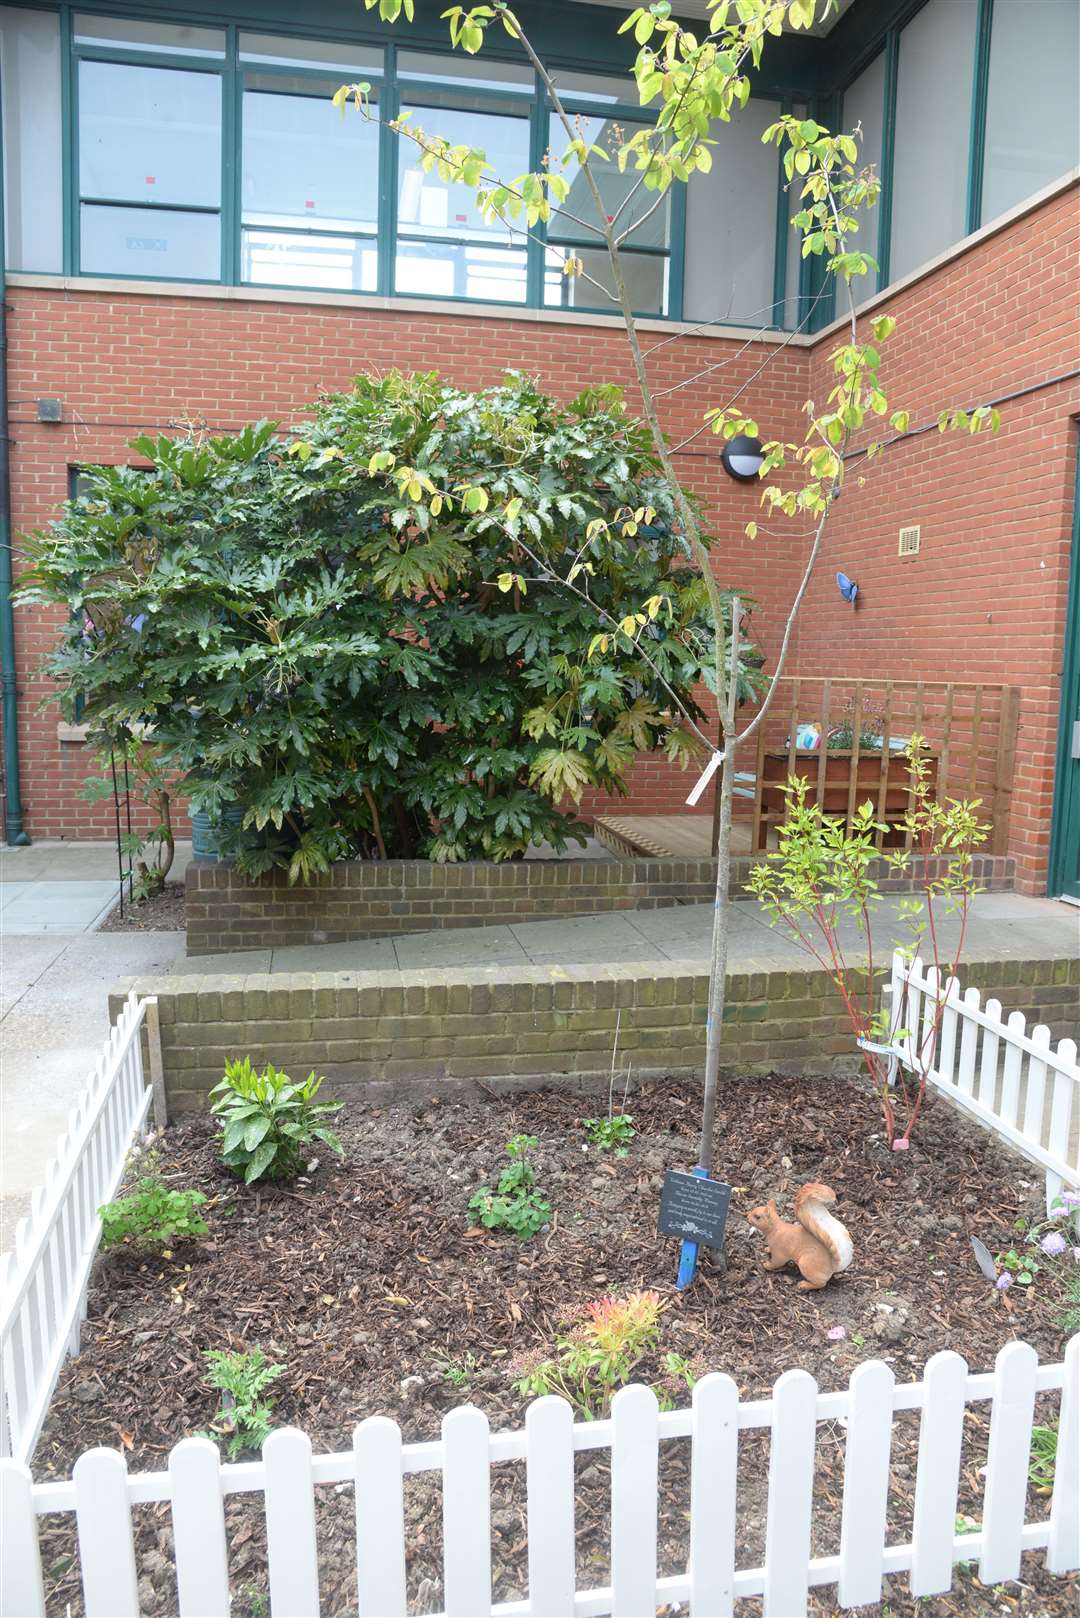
x,y
269,1123
243,1418
598,1353
822,873
615,1131
138,768
516,1204
362,634
152,1216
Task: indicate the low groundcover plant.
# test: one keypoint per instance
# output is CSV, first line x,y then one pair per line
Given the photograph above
x,y
268,1122
242,1417
516,1204
599,1353
152,1216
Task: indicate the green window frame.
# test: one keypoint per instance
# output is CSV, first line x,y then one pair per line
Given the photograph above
x,y
394,91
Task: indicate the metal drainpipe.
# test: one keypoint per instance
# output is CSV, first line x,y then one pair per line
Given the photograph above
x,y
14,834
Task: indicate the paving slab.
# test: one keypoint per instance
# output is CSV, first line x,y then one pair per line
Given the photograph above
x,y
67,906
57,860
460,946
238,964
358,955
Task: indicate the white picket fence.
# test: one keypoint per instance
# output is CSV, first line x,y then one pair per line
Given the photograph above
x,y
1015,1082
102,1493
43,1281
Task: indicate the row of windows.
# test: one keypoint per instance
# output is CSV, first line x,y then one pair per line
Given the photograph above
x,y
211,154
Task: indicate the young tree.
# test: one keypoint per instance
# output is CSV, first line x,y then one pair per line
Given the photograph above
x,y
693,80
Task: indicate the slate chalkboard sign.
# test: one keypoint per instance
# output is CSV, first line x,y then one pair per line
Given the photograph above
x,y
693,1208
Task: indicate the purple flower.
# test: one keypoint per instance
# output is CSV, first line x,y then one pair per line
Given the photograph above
x,y
1072,1198
1053,1243
1003,1282
1076,1253
835,1333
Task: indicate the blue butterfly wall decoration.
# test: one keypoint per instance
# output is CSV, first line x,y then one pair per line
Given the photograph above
x,y
848,588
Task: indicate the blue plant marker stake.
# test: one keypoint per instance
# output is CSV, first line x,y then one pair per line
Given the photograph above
x,y
688,1251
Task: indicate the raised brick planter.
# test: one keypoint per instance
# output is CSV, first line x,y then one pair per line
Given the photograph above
x,y
371,899
391,1034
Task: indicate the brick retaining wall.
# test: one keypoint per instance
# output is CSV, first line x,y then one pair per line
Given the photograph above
x,y
389,1034
371,899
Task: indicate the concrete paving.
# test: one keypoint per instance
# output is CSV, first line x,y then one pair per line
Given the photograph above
x,y
54,987
1002,926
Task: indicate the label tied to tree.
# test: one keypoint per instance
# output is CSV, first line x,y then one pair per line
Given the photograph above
x,y
693,1208
705,777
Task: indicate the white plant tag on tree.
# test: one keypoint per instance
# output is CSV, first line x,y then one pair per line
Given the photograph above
x,y
706,776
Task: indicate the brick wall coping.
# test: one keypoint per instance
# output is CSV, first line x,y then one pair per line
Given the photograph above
x,y
388,1035
361,899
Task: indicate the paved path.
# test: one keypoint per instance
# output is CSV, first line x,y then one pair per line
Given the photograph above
x,y
1002,926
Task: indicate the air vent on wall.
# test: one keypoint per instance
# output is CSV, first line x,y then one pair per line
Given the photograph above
x,y
909,542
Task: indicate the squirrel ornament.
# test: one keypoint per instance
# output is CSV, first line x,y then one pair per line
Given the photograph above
x,y
818,1244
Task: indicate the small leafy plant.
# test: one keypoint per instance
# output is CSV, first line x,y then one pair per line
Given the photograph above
x,y
1044,1443
598,1354
966,1525
268,1122
458,1373
516,1204
822,873
608,1133
1043,1239
243,1418
1069,1318
152,1216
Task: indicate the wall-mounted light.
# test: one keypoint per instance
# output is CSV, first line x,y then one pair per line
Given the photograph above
x,y
742,458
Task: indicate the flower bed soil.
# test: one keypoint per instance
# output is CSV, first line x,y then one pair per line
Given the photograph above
x,y
367,1281
158,913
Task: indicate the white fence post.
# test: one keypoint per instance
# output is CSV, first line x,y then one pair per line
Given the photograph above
x,y
202,1562
106,1547
714,1472
1063,1552
791,1495
290,1525
866,1484
466,1514
634,1457
937,1475
22,1592
1007,1463
549,1481
380,1519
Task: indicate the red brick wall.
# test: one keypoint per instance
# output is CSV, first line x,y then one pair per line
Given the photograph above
x,y
127,363
985,598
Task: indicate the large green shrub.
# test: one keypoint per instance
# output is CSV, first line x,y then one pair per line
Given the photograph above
x,y
360,632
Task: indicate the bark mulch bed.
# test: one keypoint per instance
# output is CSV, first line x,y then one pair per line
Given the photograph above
x,y
368,1282
158,913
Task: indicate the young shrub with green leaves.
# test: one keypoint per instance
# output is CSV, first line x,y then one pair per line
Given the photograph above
x,y
134,764
516,1205
821,873
151,1216
270,1124
243,1418
615,1132
598,1353
362,635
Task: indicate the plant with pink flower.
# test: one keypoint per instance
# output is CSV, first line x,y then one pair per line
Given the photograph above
x,y
598,1352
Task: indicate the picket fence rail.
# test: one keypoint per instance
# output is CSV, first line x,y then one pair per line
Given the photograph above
x,y
991,1066
101,1493
43,1280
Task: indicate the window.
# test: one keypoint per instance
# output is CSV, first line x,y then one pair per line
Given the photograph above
x,y
933,119
644,214
864,103
118,33
309,188
1033,108
445,246
33,188
731,224
149,171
